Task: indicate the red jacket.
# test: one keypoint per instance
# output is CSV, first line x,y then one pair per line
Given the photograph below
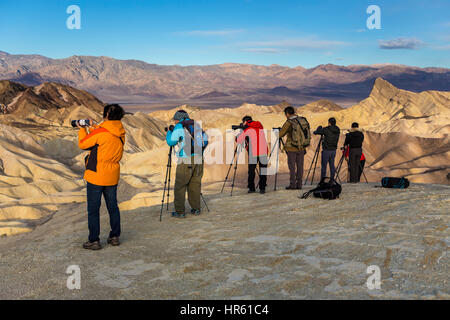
x,y
256,137
347,151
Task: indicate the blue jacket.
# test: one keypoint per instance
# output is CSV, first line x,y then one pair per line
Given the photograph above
x,y
178,136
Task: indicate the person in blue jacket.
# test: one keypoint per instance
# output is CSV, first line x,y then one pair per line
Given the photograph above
x,y
191,141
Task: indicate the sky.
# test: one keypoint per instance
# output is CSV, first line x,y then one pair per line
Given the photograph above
x,y
203,32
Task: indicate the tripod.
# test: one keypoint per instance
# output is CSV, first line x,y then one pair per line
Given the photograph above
x,y
167,186
167,183
234,161
338,169
278,155
314,161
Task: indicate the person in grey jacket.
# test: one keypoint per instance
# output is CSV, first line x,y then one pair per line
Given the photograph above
x,y
329,145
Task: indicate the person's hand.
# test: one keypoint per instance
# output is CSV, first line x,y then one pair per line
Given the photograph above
x,y
91,122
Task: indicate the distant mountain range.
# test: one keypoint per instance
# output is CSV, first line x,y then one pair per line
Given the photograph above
x,y
229,84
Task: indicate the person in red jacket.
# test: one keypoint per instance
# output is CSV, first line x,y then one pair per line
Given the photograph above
x,y
256,145
363,162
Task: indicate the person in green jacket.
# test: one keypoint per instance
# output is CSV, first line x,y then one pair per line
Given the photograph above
x,y
295,154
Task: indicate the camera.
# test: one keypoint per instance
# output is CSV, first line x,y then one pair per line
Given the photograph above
x,y
81,123
170,128
319,131
239,127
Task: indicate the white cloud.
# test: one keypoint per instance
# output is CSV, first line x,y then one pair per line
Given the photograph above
x,y
400,43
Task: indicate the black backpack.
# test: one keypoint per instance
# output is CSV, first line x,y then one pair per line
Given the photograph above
x,y
326,189
395,183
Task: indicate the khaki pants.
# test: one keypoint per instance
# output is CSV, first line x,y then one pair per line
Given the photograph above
x,y
188,176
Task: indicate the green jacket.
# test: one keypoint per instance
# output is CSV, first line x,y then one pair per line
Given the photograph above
x,y
286,130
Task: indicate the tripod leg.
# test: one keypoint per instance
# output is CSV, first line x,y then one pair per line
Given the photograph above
x,y
234,175
229,169
364,174
164,191
338,169
204,201
234,179
316,154
170,173
276,167
315,165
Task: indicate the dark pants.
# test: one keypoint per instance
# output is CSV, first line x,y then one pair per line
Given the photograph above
x,y
262,161
354,159
361,169
328,157
295,163
94,200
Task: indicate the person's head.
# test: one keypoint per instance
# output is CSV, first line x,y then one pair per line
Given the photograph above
x,y
289,111
332,121
180,115
246,120
113,112
355,125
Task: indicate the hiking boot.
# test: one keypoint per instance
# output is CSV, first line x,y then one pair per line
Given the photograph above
x,y
251,191
114,241
300,187
195,212
291,188
92,245
262,191
178,215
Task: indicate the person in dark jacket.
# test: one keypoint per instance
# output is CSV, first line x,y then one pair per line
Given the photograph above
x,y
257,148
354,140
329,145
362,163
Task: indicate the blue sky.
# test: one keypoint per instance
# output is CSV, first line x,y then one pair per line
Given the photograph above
x,y
285,32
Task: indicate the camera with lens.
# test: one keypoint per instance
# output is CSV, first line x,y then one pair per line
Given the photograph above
x,y
81,123
319,131
239,127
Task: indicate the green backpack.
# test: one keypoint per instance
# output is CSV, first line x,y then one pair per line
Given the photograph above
x,y
301,132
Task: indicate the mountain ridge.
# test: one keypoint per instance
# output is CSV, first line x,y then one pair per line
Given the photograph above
x,y
137,81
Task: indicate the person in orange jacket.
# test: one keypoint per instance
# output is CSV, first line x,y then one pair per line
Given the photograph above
x,y
105,143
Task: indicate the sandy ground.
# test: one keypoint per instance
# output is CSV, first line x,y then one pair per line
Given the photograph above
x,y
249,246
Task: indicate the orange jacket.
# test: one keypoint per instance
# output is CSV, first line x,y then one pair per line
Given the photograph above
x,y
106,144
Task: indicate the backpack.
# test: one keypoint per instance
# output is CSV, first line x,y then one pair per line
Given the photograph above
x,y
196,135
326,189
395,183
301,133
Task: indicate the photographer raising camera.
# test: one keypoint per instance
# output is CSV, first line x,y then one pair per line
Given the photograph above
x,y
105,143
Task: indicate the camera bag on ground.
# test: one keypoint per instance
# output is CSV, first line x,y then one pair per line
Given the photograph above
x,y
301,132
395,183
326,189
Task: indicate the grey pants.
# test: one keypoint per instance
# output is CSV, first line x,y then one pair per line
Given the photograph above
x,y
295,163
354,158
328,157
